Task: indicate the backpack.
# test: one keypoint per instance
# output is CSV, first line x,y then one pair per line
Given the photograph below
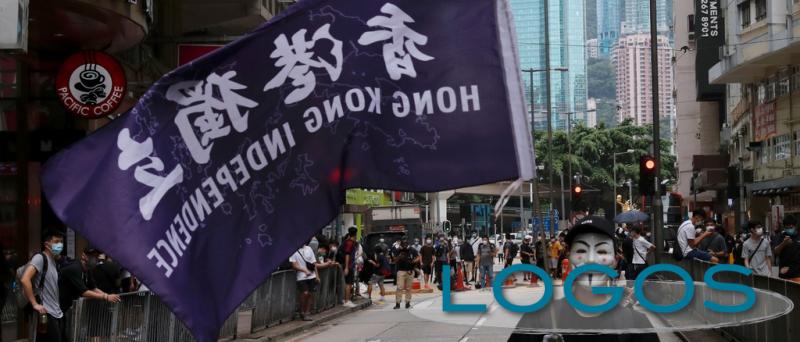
x,y
22,301
677,253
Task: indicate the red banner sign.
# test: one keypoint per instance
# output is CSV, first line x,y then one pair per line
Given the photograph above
x,y
765,121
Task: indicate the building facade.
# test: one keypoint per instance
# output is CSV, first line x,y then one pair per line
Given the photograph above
x,y
761,72
609,21
592,48
631,60
567,51
636,17
698,121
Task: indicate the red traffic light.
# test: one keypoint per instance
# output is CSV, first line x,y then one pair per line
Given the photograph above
x,y
650,164
577,189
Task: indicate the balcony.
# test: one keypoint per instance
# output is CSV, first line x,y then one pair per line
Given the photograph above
x,y
228,16
757,54
109,25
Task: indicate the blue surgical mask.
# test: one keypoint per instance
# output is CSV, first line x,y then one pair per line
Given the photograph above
x,y
790,231
57,248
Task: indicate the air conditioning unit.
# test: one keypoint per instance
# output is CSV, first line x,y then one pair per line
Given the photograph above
x,y
691,36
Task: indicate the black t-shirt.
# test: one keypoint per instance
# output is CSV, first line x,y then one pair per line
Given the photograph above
x,y
560,314
427,254
467,254
790,257
107,276
405,258
72,283
526,248
627,250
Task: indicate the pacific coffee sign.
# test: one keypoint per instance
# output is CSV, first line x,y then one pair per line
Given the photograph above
x,y
91,84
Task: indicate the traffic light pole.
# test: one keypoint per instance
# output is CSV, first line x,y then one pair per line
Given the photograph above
x,y
658,213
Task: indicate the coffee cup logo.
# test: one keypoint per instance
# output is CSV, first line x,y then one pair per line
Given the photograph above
x,y
90,85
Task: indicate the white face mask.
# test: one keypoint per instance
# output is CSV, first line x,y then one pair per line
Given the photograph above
x,y
760,231
698,231
428,241
592,248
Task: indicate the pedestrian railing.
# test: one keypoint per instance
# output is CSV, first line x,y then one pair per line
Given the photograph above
x,y
143,317
275,301
139,317
776,330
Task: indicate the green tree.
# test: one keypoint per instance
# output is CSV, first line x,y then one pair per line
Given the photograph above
x,y
602,79
592,158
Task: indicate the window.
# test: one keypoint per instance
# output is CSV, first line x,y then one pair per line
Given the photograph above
x,y
761,10
744,13
782,147
691,27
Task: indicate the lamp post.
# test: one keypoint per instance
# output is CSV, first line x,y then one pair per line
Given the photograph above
x,y
535,200
614,183
569,150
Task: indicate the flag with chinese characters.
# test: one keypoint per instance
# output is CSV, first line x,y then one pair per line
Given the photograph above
x,y
228,164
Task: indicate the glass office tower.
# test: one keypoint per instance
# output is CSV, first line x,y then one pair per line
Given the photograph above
x,y
567,50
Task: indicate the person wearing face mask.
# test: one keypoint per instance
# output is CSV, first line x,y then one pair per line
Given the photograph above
x,y
689,239
757,252
75,280
591,241
788,251
40,285
485,260
715,244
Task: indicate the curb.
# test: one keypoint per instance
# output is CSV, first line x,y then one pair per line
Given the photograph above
x,y
322,318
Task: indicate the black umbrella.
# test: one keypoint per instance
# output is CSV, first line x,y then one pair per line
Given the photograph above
x,y
632,216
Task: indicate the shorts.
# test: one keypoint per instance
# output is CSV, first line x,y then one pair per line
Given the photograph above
x,y
308,285
698,254
377,279
553,262
427,269
350,278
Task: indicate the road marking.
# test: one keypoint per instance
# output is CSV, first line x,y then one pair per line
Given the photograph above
x,y
494,308
465,339
480,322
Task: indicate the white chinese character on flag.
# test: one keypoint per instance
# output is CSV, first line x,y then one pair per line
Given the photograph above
x,y
402,41
206,117
149,173
297,61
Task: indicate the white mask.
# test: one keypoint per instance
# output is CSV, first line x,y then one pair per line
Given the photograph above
x,y
592,248
760,231
698,231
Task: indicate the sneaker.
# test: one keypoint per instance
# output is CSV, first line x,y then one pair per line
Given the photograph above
x,y
382,299
408,305
397,306
349,304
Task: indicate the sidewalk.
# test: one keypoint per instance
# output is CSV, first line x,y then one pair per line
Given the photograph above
x,y
281,332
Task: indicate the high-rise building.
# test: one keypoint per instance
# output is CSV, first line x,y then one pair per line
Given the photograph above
x,y
631,59
567,40
592,48
636,17
609,20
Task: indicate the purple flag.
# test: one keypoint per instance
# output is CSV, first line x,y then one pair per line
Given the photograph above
x,y
226,165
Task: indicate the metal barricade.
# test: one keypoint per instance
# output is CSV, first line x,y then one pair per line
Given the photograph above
x,y
275,300
139,317
327,295
10,308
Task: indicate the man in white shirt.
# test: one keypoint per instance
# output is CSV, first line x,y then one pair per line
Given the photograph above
x,y
305,263
688,241
641,247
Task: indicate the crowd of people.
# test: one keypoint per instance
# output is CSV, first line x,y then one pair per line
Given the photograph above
x,y
771,254
50,282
